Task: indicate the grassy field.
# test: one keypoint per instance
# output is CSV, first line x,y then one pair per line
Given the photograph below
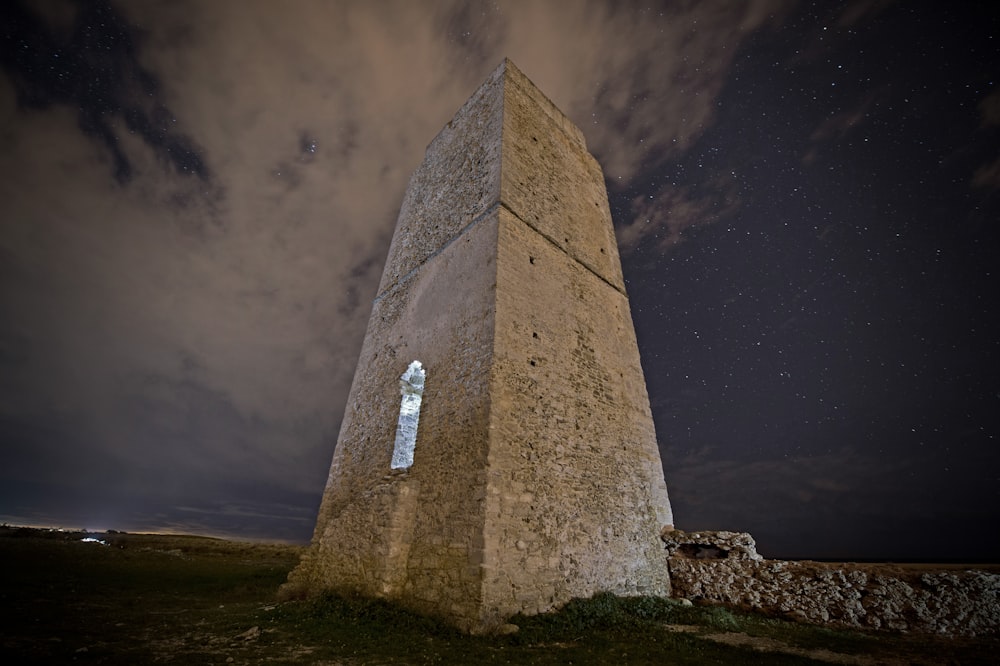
x,y
144,599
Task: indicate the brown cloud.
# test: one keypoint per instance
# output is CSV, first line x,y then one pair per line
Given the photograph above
x,y
862,10
252,291
988,175
989,108
661,220
707,485
839,126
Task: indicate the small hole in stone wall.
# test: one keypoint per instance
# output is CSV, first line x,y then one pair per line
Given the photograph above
x,y
531,260
534,335
532,362
566,239
535,139
602,250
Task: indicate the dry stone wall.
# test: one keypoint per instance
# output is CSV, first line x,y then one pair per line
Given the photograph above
x,y
724,567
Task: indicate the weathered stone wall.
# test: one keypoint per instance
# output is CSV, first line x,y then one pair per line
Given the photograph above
x,y
536,476
552,184
416,534
723,567
575,479
572,493
458,181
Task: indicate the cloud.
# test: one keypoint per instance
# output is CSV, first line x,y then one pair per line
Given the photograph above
x,y
989,109
187,277
859,10
86,59
660,221
839,126
840,490
987,176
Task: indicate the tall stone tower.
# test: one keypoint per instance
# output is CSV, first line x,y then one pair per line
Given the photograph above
x,y
497,452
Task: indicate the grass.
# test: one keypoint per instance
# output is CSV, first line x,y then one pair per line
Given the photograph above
x,y
192,600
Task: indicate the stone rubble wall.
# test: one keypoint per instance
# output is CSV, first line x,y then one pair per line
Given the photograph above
x,y
724,567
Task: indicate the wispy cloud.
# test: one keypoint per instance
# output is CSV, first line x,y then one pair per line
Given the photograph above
x,y
988,175
854,12
839,490
87,61
660,221
213,323
838,126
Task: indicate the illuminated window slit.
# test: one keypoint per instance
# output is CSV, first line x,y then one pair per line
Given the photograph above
x,y
411,385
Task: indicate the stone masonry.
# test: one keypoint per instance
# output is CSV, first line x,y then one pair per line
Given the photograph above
x,y
724,567
535,474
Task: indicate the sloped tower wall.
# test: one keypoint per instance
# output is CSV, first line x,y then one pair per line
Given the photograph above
x,y
536,476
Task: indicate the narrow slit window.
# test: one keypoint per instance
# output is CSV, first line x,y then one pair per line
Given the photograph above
x,y
411,385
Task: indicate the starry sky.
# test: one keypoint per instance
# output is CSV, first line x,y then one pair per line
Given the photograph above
x,y
196,201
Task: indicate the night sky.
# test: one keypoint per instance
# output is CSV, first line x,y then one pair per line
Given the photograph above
x,y
198,197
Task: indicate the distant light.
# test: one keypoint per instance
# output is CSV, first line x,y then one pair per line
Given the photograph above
x,y
93,540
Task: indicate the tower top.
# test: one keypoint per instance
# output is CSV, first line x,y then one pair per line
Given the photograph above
x,y
508,71
508,146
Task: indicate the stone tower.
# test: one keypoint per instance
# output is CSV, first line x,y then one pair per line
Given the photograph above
x,y
497,452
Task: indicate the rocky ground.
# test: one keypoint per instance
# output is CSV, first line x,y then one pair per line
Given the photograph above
x,y
127,599
947,600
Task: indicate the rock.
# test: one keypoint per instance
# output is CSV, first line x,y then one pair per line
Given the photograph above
x,y
797,615
863,596
717,545
251,634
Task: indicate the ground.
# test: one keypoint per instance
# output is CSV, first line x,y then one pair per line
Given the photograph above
x,y
124,598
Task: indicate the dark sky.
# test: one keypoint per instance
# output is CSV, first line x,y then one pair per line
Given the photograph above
x,y
197,200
